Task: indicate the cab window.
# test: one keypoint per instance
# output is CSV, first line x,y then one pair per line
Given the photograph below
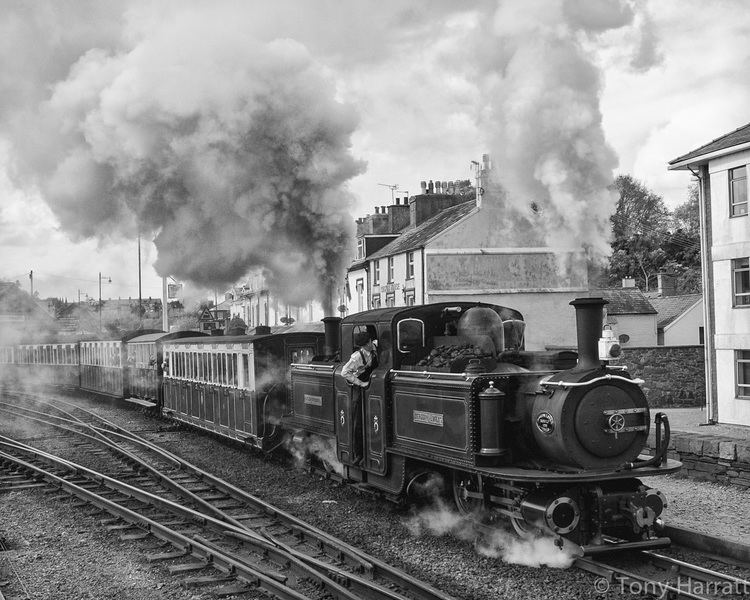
x,y
410,335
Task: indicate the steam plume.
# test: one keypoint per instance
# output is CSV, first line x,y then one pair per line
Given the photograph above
x,y
234,153
544,115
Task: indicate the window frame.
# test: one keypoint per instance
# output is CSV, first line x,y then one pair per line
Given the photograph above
x,y
738,267
741,357
376,272
410,265
390,269
741,180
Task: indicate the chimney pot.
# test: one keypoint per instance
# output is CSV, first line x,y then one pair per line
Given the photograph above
x,y
431,187
445,187
423,185
377,210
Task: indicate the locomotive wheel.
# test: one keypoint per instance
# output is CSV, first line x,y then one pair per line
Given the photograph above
x,y
463,484
524,529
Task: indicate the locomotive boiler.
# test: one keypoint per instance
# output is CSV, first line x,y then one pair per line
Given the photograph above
x,y
551,441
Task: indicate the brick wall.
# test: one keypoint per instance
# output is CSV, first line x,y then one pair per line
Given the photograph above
x,y
675,375
710,457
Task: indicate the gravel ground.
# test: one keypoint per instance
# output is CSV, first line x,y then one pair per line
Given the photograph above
x,y
59,552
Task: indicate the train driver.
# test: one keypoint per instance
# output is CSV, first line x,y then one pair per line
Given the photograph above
x,y
357,372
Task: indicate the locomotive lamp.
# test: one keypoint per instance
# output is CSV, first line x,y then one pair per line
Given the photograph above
x,y
609,345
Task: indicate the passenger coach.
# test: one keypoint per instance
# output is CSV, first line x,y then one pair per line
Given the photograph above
x,y
104,366
237,386
42,364
145,357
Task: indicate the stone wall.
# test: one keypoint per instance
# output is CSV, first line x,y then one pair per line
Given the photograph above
x,y
710,457
675,375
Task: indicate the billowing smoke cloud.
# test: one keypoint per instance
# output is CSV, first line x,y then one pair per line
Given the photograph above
x,y
542,115
233,152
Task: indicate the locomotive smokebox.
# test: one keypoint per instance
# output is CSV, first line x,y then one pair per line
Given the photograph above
x,y
332,339
589,321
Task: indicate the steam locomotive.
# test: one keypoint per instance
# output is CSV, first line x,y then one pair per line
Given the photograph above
x,y
550,441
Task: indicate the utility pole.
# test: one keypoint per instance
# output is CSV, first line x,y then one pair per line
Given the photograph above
x,y
164,305
109,280
140,301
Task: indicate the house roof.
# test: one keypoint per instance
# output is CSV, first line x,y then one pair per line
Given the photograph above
x,y
739,136
625,301
420,235
671,307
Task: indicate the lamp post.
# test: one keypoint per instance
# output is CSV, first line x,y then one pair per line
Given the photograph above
x,y
109,280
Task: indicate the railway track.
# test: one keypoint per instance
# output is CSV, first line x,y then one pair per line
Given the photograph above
x,y
225,522
201,516
661,576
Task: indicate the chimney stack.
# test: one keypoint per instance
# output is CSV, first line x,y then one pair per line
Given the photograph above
x,y
628,282
589,323
666,285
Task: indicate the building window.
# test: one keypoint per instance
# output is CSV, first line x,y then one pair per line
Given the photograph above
x,y
376,273
409,299
410,265
701,336
741,281
742,369
376,301
390,300
738,192
390,269
360,248
360,287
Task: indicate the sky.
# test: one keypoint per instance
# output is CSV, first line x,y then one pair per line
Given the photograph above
x,y
240,135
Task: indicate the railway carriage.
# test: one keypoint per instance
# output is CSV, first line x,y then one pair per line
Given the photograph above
x,y
49,364
236,386
8,365
145,357
103,365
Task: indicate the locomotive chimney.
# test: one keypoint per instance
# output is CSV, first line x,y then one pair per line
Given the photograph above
x,y
332,341
589,320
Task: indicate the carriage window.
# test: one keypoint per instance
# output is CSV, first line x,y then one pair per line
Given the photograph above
x,y
246,369
233,370
214,369
410,335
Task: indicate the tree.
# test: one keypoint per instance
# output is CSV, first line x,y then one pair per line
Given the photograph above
x,y
639,226
683,245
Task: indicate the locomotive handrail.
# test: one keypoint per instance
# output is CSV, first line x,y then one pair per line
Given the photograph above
x,y
565,384
430,374
311,367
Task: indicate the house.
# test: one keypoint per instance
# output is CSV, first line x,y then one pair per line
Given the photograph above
x,y
679,320
256,305
482,249
721,167
630,314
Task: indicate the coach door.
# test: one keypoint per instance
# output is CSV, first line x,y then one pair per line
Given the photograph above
x,y
375,413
